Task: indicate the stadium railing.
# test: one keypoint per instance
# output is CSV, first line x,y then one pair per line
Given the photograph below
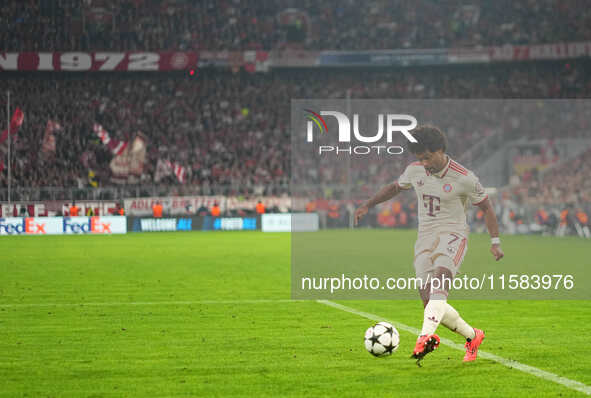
x,y
134,191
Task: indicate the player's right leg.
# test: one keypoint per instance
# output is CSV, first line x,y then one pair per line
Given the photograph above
x,y
472,345
474,337
427,341
454,322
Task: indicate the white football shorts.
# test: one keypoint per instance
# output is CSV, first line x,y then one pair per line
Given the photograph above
x,y
428,246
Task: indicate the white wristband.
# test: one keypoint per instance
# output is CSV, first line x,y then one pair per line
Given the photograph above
x,y
495,241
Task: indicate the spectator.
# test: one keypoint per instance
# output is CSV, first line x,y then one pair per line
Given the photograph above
x,y
215,210
260,208
74,210
157,210
582,223
202,211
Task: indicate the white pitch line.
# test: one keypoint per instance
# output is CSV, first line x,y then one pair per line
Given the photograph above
x,y
139,303
572,384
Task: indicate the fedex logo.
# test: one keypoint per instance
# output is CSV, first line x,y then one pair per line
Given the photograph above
x,y
19,226
86,225
39,226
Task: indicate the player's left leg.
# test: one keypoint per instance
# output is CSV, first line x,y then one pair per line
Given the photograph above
x,y
437,310
449,255
454,322
451,318
474,337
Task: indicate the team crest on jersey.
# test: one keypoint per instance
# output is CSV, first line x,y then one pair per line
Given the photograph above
x,y
447,188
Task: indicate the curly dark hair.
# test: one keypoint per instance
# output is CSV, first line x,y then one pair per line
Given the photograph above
x,y
429,138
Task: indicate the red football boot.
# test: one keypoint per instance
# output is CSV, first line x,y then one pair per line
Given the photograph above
x,y
472,346
425,344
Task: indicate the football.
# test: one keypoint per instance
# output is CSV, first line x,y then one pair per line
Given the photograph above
x,y
381,339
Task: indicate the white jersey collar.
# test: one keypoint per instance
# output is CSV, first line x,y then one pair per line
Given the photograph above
x,y
441,173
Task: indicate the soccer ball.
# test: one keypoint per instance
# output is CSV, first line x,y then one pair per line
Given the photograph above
x,y
381,339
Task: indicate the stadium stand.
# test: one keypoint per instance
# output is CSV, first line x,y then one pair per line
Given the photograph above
x,y
233,129
228,132
100,25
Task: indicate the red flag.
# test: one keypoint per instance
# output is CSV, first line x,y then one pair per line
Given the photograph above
x,y
166,167
179,171
131,161
163,169
117,147
17,120
48,145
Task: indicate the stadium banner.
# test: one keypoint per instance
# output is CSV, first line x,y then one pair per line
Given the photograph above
x,y
417,57
62,225
230,223
262,61
194,223
293,58
365,145
300,222
252,61
98,61
52,208
191,205
383,58
174,206
540,51
166,224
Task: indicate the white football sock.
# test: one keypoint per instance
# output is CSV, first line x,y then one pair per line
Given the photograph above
x,y
434,312
437,305
454,322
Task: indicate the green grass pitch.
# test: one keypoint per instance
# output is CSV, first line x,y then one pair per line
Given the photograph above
x,y
208,314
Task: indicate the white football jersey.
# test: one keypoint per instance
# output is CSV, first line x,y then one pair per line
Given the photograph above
x,y
443,197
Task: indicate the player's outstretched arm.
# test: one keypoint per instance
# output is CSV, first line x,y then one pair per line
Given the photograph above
x,y
386,193
490,219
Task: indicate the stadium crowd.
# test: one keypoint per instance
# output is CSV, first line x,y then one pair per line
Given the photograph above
x,y
233,129
568,182
129,25
230,129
